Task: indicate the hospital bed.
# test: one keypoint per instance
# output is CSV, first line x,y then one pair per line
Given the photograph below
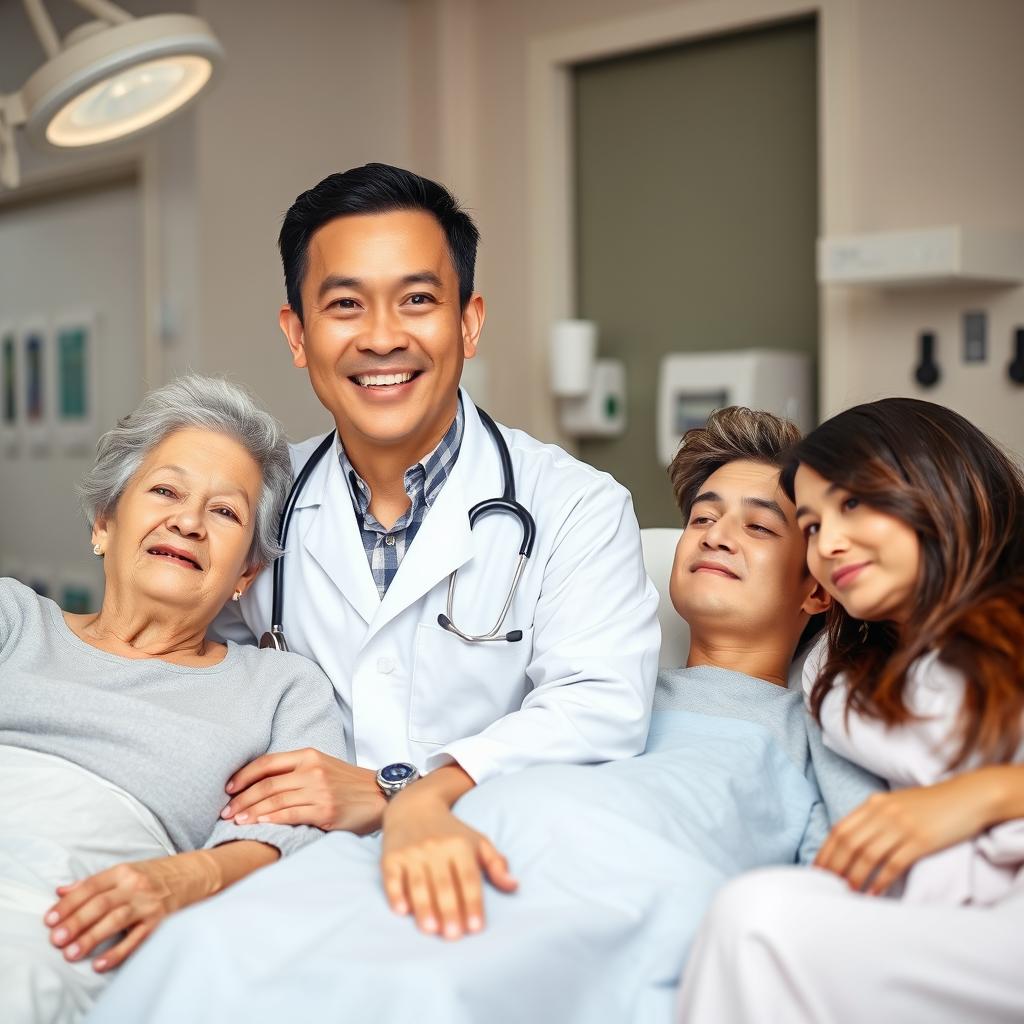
x,y
659,548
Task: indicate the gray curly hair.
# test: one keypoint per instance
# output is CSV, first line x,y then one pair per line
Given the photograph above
x,y
208,403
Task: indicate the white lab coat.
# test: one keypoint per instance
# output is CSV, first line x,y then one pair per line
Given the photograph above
x,y
579,685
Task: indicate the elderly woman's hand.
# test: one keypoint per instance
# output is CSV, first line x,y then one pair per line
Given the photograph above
x,y
134,898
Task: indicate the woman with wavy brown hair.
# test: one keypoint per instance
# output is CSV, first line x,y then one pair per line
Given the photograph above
x,y
915,526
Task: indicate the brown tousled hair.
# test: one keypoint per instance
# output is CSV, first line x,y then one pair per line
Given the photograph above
x,y
964,497
730,435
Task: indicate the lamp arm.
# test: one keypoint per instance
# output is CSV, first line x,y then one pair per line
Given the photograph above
x,y
43,25
12,114
105,11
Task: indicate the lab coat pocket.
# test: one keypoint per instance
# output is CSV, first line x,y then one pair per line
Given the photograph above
x,y
458,688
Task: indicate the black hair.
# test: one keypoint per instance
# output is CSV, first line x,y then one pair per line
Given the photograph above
x,y
374,188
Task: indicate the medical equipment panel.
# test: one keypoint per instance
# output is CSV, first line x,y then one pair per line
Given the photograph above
x,y
692,385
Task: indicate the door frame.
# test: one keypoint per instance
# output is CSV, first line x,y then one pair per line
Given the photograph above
x,y
550,153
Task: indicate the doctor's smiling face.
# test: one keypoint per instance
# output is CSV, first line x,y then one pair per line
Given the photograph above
x,y
383,326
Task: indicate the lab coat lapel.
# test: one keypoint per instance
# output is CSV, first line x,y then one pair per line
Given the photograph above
x,y
444,541
333,538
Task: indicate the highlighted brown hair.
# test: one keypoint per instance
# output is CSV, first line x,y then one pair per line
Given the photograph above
x,y
730,435
933,470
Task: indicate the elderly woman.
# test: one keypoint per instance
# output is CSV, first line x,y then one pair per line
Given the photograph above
x,y
118,730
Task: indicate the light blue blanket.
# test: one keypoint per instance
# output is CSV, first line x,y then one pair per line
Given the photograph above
x,y
616,863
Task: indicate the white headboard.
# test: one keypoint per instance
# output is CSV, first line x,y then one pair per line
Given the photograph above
x,y
659,547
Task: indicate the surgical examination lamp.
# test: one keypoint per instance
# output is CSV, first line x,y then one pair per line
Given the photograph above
x,y
108,79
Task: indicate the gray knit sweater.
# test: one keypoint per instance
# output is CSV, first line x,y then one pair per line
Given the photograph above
x,y
168,735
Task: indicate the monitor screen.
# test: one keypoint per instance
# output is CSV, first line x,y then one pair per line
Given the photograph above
x,y
693,409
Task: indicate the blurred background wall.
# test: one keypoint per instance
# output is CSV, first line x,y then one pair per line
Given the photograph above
x,y
915,110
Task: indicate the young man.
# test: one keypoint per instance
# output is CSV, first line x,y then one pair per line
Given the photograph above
x,y
381,312
617,862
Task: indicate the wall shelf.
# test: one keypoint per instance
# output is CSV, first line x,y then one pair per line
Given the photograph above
x,y
946,255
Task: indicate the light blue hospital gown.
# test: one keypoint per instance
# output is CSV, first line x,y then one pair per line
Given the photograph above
x,y
616,864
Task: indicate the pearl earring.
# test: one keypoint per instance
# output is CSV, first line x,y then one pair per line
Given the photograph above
x,y
97,550
238,594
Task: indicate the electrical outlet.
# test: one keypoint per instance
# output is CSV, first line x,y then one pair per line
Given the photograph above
x,y
975,336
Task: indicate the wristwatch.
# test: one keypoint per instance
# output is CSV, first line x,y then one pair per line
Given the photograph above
x,y
393,778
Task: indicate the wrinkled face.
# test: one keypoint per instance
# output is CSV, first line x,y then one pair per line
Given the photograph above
x,y
741,559
183,527
866,559
383,335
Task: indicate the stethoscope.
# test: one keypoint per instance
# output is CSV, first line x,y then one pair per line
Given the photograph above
x,y
506,503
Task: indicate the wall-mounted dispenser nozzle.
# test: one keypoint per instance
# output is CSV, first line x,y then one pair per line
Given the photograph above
x,y
927,373
1015,371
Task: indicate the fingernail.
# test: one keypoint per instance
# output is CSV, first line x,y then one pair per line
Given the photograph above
x,y
263,817
99,964
52,917
241,817
401,908
430,924
474,923
60,935
229,788
451,931
73,950
226,813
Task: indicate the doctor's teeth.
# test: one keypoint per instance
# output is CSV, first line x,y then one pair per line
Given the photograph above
x,y
378,380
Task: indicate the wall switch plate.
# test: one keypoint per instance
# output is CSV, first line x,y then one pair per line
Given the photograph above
x,y
975,337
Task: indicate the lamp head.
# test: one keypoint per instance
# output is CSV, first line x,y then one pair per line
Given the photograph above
x,y
113,81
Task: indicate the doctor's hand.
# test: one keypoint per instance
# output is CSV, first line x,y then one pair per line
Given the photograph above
x,y
432,864
889,833
306,787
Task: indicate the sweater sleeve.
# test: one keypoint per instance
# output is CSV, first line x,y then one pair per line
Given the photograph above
x,y
308,715
6,608
12,614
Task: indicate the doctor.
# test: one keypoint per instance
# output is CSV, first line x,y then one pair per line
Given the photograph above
x,y
381,313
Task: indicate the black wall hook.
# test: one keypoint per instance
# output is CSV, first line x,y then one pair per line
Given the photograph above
x,y
927,373
1015,371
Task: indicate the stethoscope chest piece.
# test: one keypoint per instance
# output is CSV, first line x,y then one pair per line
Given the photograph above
x,y
274,639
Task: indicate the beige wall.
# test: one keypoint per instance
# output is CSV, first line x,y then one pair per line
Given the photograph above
x,y
309,88
921,109
163,163
936,138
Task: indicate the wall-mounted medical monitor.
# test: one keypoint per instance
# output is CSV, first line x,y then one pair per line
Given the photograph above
x,y
694,408
692,385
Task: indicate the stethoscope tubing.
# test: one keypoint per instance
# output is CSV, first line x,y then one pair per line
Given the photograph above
x,y
506,504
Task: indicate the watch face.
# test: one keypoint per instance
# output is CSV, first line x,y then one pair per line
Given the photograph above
x,y
397,772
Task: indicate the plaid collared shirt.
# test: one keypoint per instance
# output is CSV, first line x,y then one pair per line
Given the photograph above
x,y
385,549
